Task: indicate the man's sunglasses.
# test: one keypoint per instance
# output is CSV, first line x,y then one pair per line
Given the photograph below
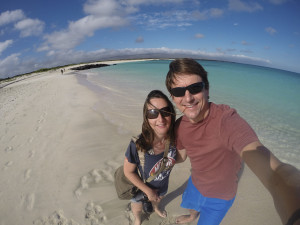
x,y
193,89
153,113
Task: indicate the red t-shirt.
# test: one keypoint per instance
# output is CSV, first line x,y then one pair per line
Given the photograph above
x,y
213,146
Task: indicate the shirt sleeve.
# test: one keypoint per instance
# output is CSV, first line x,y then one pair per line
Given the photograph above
x,y
131,153
236,132
179,145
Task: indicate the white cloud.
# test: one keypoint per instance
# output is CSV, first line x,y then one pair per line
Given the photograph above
x,y
271,30
246,51
215,12
278,2
103,8
139,39
30,27
139,2
199,35
78,31
239,6
4,45
245,43
11,16
101,14
207,14
175,18
162,20
8,66
115,13
12,65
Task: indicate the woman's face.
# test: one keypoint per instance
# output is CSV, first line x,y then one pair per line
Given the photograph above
x,y
160,125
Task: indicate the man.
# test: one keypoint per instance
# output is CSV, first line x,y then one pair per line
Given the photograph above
x,y
217,139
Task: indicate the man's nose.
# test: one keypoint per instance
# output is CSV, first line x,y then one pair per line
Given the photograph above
x,y
188,96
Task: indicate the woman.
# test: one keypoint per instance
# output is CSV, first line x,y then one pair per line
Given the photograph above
x,y
157,131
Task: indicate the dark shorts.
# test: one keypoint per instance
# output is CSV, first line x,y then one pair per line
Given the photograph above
x,y
212,210
139,197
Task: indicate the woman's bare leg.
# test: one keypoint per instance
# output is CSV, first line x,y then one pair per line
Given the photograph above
x,y
136,208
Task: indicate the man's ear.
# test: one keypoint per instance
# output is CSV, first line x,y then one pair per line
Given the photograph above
x,y
207,93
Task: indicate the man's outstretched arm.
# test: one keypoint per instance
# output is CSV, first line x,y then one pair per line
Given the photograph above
x,y
282,180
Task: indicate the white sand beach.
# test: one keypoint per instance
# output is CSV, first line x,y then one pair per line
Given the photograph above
x,y
58,156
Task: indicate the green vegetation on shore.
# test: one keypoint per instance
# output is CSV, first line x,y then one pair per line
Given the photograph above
x,y
33,72
9,79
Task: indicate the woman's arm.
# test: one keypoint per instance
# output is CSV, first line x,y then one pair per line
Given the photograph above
x,y
130,173
181,156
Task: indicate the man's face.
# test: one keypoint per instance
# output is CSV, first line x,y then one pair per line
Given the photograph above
x,y
193,106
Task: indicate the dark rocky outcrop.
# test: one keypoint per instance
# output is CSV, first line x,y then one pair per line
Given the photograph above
x,y
89,66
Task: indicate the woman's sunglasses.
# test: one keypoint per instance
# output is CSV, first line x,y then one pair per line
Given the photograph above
x,y
153,113
193,89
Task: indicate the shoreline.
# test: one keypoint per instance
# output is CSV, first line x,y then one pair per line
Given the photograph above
x,y
54,69
17,78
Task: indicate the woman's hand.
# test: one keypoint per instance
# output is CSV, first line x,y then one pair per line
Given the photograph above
x,y
129,171
152,195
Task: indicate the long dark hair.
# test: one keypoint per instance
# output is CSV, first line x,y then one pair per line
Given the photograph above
x,y
145,140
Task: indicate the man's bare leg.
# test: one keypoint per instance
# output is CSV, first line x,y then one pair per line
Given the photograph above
x,y
187,218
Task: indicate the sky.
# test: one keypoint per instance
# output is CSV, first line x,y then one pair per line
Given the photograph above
x,y
37,34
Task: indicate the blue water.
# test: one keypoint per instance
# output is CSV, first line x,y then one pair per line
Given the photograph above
x,y
268,99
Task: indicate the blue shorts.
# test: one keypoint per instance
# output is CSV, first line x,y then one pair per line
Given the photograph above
x,y
212,210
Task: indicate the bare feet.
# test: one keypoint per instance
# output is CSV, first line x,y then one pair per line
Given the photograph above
x,y
185,219
162,214
137,222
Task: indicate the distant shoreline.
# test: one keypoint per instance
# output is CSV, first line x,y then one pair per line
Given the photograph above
x,y
19,77
10,80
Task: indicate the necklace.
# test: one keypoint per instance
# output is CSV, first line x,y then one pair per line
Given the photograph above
x,y
158,148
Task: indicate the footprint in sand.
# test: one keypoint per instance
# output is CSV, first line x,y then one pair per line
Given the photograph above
x,y
168,221
31,154
113,164
107,175
94,214
41,120
30,140
27,201
95,177
12,138
56,218
8,149
8,164
27,174
85,182
38,128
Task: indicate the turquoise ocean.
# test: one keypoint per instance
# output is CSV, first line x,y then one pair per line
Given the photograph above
x,y
269,99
